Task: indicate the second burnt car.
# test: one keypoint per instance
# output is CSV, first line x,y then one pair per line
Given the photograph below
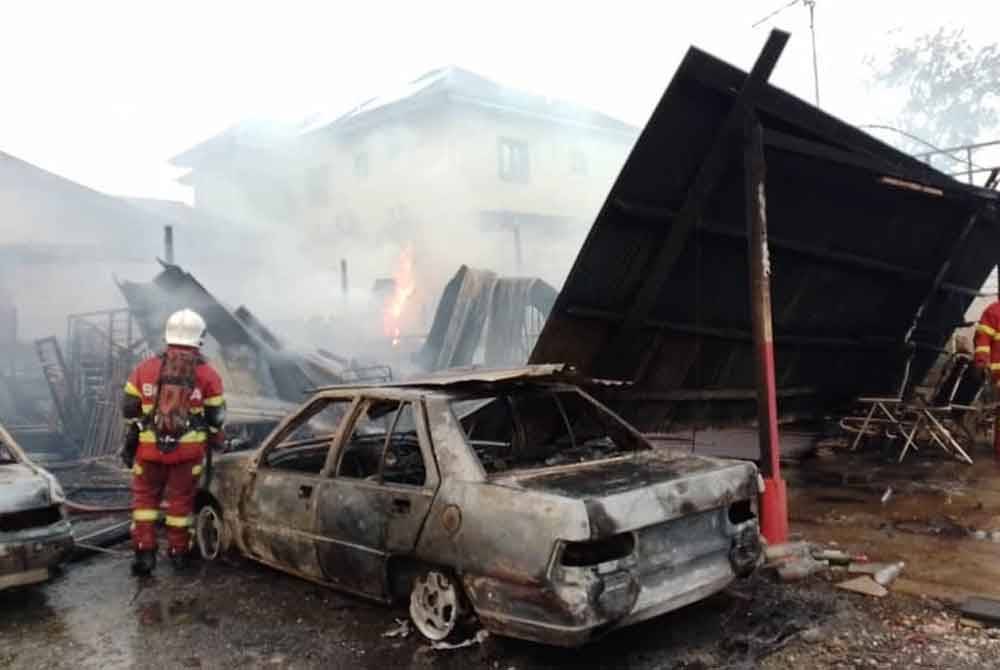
x,y
35,534
512,496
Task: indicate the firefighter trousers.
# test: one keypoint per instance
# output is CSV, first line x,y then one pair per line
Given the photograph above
x,y
152,482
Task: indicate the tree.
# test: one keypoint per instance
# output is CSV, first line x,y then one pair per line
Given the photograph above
x,y
952,88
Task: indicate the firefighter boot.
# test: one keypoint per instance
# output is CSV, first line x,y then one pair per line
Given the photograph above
x,y
144,562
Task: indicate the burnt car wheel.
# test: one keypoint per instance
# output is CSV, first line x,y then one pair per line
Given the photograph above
x,y
436,605
210,532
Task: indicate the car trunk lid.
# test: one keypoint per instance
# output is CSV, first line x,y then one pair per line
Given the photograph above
x,y
630,492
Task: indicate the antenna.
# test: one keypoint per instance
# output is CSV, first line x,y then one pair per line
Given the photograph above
x,y
811,6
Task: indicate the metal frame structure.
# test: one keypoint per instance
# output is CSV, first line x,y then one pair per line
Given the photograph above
x,y
964,154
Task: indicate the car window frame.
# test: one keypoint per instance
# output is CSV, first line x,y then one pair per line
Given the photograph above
x,y
432,475
295,421
388,440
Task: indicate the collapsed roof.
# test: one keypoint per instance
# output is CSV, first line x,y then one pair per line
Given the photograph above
x,y
480,310
258,362
869,250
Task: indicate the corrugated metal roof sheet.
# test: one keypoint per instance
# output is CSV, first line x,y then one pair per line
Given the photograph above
x,y
475,376
278,372
853,256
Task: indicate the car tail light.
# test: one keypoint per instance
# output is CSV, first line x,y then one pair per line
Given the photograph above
x,y
742,511
582,554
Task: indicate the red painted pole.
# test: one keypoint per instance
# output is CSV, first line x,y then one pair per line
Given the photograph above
x,y
773,501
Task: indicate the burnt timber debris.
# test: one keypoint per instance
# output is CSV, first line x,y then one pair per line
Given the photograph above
x,y
264,379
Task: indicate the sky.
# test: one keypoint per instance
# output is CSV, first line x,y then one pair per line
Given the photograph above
x,y
105,92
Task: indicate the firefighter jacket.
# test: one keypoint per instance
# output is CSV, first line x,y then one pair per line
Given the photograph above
x,y
988,340
206,398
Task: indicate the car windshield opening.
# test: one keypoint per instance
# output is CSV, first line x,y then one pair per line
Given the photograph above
x,y
536,429
304,444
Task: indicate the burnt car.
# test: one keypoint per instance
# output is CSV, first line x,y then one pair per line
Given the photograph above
x,y
35,535
511,497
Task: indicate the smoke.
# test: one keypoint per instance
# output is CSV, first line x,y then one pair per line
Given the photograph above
x,y
294,211
274,218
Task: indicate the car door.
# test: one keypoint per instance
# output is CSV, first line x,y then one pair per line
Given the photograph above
x,y
279,501
383,480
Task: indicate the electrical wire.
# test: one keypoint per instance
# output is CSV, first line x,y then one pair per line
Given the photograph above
x,y
811,6
776,12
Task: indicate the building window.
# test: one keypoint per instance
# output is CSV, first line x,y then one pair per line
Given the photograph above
x,y
361,164
513,160
578,162
318,185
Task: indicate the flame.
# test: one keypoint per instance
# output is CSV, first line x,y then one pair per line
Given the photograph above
x,y
404,290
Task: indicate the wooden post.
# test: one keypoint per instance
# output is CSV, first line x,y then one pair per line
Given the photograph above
x,y
773,502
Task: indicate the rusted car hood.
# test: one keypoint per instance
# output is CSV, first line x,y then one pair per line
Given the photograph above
x,y
627,493
22,488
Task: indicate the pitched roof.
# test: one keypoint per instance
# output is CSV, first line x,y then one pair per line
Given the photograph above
x,y
249,133
43,210
454,84
441,86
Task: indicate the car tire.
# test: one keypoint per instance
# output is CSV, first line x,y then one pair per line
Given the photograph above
x,y
210,532
438,607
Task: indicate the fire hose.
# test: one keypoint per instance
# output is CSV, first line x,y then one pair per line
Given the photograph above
x,y
78,508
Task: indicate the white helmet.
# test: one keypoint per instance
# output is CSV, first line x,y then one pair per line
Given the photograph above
x,y
185,328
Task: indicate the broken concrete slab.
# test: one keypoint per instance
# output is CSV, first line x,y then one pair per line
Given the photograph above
x,y
864,585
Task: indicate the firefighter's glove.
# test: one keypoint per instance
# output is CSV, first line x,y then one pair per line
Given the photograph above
x,y
128,457
131,444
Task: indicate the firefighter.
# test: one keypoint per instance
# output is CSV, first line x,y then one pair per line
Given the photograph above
x,y
175,408
987,357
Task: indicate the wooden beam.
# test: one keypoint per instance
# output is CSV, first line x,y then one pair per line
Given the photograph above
x,y
825,152
660,214
938,280
872,342
658,269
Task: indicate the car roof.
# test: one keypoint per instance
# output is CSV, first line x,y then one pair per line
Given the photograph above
x,y
552,372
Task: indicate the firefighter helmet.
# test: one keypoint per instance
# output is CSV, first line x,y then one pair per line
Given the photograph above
x,y
185,328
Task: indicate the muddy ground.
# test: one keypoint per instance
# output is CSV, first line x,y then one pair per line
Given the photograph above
x,y
239,615
941,518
